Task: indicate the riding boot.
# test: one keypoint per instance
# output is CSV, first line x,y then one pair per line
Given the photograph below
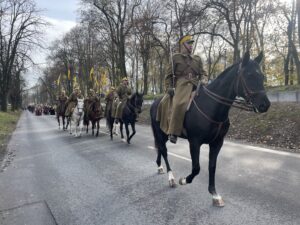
x,y
173,138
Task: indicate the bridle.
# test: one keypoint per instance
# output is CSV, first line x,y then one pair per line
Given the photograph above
x,y
247,91
133,107
244,104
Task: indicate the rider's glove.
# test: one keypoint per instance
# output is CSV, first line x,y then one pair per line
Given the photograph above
x,y
171,91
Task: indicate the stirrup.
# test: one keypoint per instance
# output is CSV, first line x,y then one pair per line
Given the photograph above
x,y
173,138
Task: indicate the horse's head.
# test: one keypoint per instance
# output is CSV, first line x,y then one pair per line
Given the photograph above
x,y
80,105
250,83
137,101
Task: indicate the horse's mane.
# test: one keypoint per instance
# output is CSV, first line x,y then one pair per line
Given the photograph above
x,y
222,74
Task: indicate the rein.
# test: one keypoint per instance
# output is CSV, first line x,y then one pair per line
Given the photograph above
x,y
132,107
236,103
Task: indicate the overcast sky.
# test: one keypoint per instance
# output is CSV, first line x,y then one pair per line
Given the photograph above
x,y
62,16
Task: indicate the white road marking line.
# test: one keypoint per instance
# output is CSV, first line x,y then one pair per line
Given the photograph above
x,y
260,149
173,154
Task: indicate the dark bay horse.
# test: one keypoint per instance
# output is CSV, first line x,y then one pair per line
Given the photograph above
x,y
94,115
207,122
60,112
132,108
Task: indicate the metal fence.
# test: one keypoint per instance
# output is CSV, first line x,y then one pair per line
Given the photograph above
x,y
288,96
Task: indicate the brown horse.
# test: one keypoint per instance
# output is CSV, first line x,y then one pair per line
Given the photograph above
x,y
60,112
94,114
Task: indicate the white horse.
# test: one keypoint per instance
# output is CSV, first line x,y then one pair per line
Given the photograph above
x,y
77,118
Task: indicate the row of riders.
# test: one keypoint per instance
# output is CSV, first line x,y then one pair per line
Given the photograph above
x,y
40,109
190,108
90,109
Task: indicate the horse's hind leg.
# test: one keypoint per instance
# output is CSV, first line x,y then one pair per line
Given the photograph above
x,y
195,152
214,149
127,132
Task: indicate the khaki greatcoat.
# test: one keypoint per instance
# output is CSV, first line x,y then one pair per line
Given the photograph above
x,y
123,92
71,103
188,70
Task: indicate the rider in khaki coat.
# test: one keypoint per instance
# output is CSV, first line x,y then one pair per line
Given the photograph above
x,y
92,97
182,78
72,101
61,100
109,99
123,92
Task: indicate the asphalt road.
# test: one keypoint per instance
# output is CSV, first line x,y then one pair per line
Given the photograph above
x,y
50,177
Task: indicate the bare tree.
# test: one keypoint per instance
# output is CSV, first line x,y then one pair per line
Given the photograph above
x,y
20,27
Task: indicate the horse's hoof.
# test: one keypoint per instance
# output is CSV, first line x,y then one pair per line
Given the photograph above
x,y
172,183
182,181
218,201
160,170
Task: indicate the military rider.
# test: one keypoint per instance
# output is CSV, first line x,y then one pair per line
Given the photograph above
x,y
61,101
72,101
88,102
109,99
123,92
62,97
183,75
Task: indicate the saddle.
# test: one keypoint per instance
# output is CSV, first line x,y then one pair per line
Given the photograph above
x,y
164,111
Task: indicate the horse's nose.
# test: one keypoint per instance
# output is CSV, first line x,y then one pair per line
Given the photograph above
x,y
264,106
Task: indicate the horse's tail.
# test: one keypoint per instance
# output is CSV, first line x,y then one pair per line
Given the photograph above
x,y
158,134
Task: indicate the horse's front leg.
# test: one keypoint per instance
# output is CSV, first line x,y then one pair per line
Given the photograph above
x,y
121,129
58,120
127,132
214,149
195,152
93,127
111,126
160,168
70,123
98,126
64,123
80,125
133,132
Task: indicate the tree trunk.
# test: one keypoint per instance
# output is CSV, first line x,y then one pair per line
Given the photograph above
x,y
286,69
145,67
161,76
3,98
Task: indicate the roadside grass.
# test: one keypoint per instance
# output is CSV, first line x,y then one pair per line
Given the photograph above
x,y
8,122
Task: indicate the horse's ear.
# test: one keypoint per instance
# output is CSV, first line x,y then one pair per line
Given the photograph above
x,y
259,58
246,59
